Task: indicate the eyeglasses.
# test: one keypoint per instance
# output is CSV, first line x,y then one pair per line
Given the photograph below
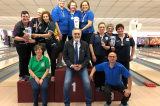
x,y
112,56
102,27
25,16
39,13
77,33
38,50
110,28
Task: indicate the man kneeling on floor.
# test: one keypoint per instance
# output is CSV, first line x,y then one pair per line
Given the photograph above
x,y
113,73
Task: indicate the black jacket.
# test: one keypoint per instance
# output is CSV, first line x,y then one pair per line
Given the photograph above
x,y
69,53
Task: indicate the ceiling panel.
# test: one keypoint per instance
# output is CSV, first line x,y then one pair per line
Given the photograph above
x,y
109,4
12,2
122,4
28,2
43,2
108,11
137,4
152,4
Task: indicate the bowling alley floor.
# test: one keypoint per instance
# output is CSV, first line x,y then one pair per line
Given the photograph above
x,y
141,96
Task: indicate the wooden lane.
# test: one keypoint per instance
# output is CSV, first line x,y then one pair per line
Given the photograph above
x,y
146,72
6,51
8,54
150,54
1,49
8,62
152,60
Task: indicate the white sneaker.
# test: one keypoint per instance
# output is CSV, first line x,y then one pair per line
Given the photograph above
x,y
63,64
59,65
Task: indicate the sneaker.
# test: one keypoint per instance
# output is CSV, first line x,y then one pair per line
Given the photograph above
x,y
63,64
106,104
59,65
22,78
102,88
27,75
124,105
97,89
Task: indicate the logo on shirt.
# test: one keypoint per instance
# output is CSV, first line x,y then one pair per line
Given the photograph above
x,y
96,35
24,31
127,39
117,40
42,64
106,38
40,27
34,25
28,65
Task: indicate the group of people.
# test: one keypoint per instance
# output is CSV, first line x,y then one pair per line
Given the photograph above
x,y
49,32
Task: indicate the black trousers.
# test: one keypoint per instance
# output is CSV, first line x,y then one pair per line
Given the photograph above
x,y
120,88
70,37
86,37
126,65
53,54
99,78
24,57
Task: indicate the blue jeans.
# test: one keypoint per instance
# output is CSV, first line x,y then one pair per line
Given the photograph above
x,y
36,90
86,83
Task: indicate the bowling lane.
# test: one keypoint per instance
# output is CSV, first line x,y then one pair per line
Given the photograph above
x,y
157,55
8,62
6,51
149,59
8,54
146,72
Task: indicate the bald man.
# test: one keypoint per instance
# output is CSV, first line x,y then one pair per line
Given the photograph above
x,y
113,73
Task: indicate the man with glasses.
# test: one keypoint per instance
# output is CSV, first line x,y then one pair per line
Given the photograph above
x,y
76,55
113,73
22,47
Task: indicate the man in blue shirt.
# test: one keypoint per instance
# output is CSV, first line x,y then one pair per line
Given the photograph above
x,y
113,73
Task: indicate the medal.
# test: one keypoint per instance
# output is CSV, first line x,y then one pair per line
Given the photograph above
x,y
36,31
122,44
83,17
72,18
63,15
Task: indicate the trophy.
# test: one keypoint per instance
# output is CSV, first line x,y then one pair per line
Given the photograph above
x,y
113,39
29,31
76,22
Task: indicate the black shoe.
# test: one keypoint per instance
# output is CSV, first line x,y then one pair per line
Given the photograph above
x,y
97,89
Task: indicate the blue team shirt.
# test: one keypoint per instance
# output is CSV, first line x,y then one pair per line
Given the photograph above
x,y
57,16
95,40
87,16
114,75
123,52
71,21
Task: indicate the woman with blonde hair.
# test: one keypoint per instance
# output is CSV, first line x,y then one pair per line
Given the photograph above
x,y
36,24
86,22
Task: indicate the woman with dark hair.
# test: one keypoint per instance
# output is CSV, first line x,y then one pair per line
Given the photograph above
x,y
98,45
73,13
39,77
86,21
53,44
122,49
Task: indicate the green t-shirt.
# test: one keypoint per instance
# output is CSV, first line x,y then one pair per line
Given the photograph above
x,y
40,67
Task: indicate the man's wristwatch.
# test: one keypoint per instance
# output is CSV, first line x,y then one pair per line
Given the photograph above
x,y
39,35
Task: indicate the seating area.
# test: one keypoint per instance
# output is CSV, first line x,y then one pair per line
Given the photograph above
x,y
56,90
